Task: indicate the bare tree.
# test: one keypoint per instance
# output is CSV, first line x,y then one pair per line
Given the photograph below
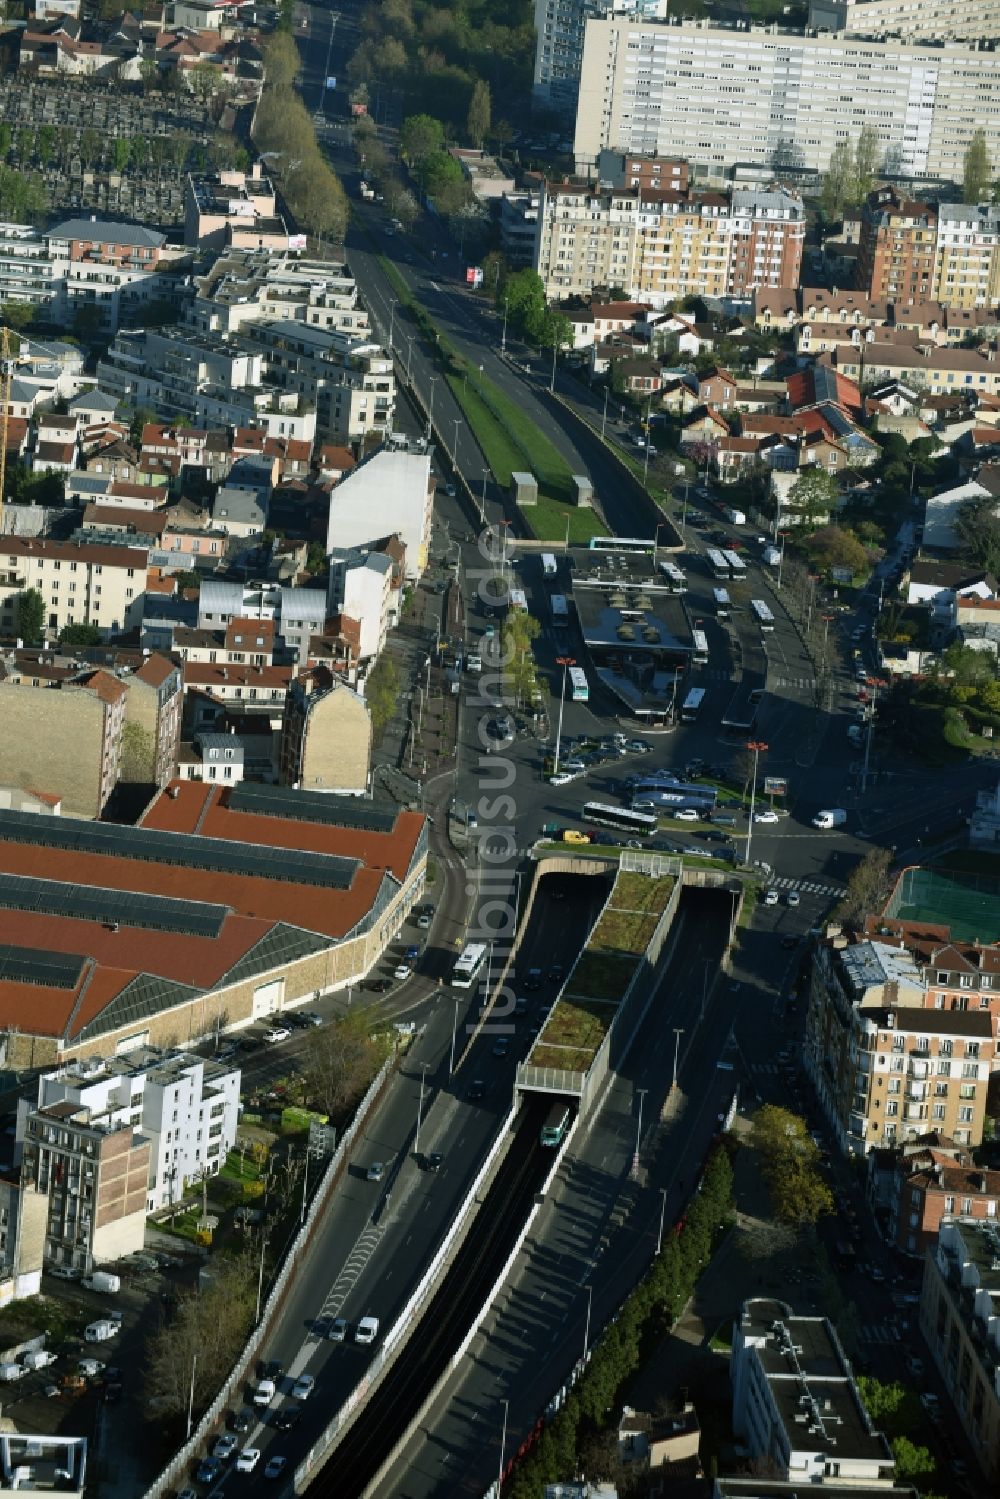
x,y
342,1060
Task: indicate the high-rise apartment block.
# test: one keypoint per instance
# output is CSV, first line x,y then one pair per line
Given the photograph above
x,y
770,100
914,20
658,245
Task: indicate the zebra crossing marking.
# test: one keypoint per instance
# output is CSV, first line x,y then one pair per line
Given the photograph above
x,y
808,887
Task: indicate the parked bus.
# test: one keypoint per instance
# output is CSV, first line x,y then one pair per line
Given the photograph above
x,y
722,605
549,565
560,609
518,600
579,689
620,544
469,965
623,819
691,706
674,578
680,794
717,562
737,567
699,644
762,614
556,1123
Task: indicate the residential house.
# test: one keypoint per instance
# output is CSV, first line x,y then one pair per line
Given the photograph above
x,y
704,425
325,735
927,1182
297,613
65,735
232,209
80,583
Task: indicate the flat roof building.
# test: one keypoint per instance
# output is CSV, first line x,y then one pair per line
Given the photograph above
x,y
795,1403
771,101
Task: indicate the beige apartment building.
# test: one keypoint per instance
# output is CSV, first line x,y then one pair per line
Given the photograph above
x,y
81,583
152,733
63,738
914,20
967,264
326,735
658,244
886,1068
770,100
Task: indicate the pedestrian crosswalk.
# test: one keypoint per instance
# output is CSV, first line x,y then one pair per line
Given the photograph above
x,y
802,684
806,887
879,1332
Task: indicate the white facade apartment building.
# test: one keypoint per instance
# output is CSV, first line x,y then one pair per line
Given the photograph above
x,y
360,586
914,20
559,28
772,100
81,583
298,613
389,493
265,285
51,269
659,245
186,1107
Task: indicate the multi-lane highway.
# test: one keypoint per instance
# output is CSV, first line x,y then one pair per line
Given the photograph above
x,y
632,1161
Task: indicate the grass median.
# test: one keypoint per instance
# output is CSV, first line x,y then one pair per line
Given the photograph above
x,y
509,439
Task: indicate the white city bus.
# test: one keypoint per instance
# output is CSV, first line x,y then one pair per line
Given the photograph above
x,y
623,819
673,577
560,609
718,563
762,614
579,689
699,647
549,567
737,567
722,604
469,965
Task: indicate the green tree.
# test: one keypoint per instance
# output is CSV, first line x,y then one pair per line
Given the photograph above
x,y
480,114
789,1163
90,146
45,140
868,886
866,156
978,527
79,635
281,61
838,180
813,495
17,314
913,1462
30,616
978,170
381,692
421,137
831,546
123,153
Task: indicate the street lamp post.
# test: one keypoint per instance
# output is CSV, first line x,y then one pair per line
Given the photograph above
x,y
678,1033
781,559
456,423
454,1034
392,320
555,350
565,662
503,1445
586,1325
756,745
663,1214
482,507
685,509
503,340
430,408
638,1129
874,683
409,354
656,542
604,418
420,1107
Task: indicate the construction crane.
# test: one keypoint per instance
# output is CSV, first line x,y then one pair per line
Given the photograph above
x,y
6,377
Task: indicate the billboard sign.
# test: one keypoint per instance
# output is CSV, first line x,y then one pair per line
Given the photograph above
x,y
775,786
474,276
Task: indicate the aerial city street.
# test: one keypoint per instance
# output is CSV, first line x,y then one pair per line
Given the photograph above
x,y
499,723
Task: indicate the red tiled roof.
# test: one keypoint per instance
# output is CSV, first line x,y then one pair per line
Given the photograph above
x,y
207,674
205,808
107,687
155,671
